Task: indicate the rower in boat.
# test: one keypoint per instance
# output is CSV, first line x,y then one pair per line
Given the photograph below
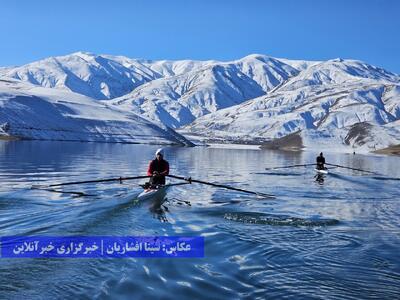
x,y
158,169
320,166
321,162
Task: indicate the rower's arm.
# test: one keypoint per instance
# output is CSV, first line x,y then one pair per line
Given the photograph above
x,y
166,171
150,169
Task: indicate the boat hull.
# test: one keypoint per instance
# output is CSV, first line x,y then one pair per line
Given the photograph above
x,y
324,172
153,194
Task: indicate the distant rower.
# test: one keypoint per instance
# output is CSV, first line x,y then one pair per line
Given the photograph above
x,y
158,168
321,162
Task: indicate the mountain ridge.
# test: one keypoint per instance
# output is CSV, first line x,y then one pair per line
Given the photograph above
x,y
254,98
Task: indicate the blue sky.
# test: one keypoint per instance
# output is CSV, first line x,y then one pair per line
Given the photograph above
x,y
367,30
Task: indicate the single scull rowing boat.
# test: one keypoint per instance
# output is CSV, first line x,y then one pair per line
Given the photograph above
x,y
157,193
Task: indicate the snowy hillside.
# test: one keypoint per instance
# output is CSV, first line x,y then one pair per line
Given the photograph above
x,y
322,102
31,112
96,76
178,100
170,92
256,99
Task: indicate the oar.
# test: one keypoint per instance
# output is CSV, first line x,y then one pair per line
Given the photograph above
x,y
355,169
223,186
291,166
120,179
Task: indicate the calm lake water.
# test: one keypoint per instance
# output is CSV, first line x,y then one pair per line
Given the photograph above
x,y
337,239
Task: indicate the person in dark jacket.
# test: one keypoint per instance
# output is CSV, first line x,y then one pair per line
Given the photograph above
x,y
158,169
321,162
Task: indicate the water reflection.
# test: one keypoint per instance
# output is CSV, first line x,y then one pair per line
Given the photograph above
x,y
337,239
320,178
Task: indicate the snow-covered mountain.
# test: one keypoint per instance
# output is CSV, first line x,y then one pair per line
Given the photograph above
x,y
31,112
322,102
180,99
170,92
253,99
96,76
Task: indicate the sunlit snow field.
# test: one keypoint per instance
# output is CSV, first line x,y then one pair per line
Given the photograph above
x,y
333,239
